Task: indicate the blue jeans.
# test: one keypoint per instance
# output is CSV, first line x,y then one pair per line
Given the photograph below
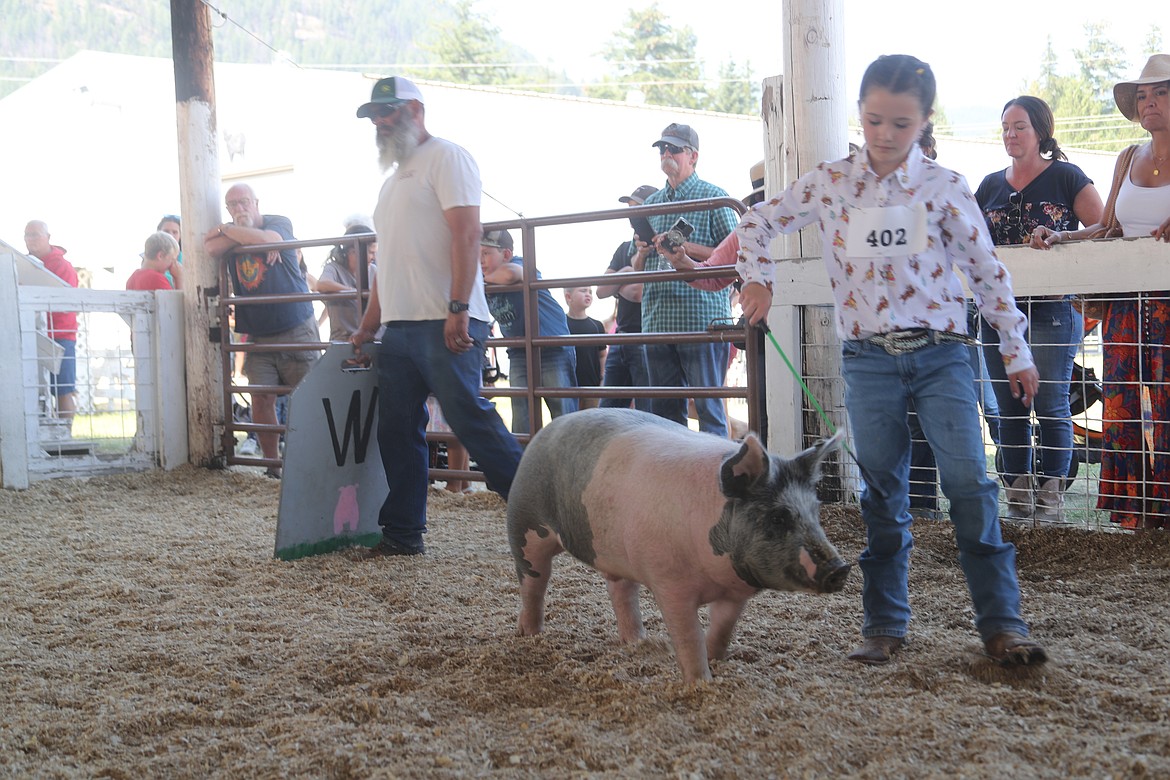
x,y
558,368
413,361
878,390
1055,331
923,475
689,365
625,366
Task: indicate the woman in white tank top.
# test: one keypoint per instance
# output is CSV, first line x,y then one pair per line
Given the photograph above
x,y
1135,476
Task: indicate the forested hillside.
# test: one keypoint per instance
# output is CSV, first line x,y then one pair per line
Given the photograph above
x,y
447,40
36,33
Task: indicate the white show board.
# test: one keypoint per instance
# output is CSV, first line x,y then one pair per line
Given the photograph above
x,y
333,483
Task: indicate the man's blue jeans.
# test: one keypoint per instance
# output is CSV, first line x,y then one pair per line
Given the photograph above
x,y
1055,332
558,368
625,366
689,365
878,389
412,361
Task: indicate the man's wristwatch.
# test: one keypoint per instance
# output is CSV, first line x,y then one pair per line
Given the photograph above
x,y
458,307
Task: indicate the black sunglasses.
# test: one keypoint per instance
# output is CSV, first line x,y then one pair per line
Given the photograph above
x,y
383,110
1014,213
671,148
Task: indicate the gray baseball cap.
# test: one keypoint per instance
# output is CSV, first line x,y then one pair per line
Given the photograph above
x,y
679,135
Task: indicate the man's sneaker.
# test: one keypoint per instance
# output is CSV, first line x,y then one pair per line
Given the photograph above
x,y
386,548
249,447
272,472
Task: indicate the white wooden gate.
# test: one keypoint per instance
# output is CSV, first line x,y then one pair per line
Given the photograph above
x,y
131,389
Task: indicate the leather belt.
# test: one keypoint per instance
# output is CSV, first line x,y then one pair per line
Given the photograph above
x,y
900,342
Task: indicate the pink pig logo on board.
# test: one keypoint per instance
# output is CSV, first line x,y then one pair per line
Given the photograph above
x,y
345,514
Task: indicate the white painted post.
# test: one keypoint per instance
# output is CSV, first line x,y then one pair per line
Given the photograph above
x,y
13,448
804,116
199,185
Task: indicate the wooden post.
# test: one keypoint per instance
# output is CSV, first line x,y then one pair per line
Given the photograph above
x,y
199,191
804,117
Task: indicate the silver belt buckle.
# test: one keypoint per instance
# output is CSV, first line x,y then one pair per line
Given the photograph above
x,y
902,342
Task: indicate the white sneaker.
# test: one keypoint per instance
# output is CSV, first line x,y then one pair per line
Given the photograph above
x,y
249,448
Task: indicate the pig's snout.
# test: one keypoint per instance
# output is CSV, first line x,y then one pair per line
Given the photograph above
x,y
831,577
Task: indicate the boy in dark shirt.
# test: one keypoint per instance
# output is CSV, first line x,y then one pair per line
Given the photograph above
x,y
589,359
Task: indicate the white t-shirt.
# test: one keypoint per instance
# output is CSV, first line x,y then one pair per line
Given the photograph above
x,y
1141,209
414,242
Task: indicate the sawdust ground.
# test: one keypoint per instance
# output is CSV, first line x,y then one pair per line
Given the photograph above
x,y
147,631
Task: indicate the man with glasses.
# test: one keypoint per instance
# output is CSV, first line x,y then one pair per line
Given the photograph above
x,y
429,294
271,273
674,306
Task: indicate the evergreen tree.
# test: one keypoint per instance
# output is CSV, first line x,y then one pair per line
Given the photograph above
x,y
472,43
1153,41
735,92
650,56
1082,102
1102,64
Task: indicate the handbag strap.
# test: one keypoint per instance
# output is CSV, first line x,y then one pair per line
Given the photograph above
x,y
1109,218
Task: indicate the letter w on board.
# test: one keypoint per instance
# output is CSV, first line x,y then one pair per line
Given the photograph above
x,y
355,427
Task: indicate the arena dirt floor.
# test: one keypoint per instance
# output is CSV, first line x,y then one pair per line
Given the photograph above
x,y
147,631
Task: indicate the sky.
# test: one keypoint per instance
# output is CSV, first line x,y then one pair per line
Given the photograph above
x,y
982,53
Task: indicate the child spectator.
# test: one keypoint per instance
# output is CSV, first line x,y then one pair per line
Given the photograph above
x,y
557,364
160,256
589,359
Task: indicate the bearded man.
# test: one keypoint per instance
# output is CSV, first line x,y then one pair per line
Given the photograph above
x,y
271,273
429,295
677,307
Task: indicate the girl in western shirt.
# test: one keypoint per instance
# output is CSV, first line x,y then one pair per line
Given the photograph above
x,y
896,225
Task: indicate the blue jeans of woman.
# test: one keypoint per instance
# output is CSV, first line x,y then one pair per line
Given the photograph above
x,y
878,390
1055,331
558,368
413,361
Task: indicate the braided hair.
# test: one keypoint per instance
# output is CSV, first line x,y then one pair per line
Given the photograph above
x,y
1043,122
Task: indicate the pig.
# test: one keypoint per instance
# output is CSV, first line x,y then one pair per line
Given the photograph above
x,y
696,518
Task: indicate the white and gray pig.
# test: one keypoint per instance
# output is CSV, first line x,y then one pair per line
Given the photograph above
x,y
696,518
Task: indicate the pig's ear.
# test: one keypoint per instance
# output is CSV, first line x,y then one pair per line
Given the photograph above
x,y
809,461
745,468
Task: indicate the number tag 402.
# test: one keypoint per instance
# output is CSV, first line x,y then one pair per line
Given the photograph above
x,y
889,231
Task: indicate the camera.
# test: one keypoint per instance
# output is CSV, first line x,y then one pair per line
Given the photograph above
x,y
674,238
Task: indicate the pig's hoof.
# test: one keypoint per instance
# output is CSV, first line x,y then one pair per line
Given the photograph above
x,y
1011,649
877,650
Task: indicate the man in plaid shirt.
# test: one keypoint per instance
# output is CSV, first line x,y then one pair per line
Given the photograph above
x,y
672,307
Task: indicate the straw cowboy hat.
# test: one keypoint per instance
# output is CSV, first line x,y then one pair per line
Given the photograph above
x,y
1156,71
757,174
